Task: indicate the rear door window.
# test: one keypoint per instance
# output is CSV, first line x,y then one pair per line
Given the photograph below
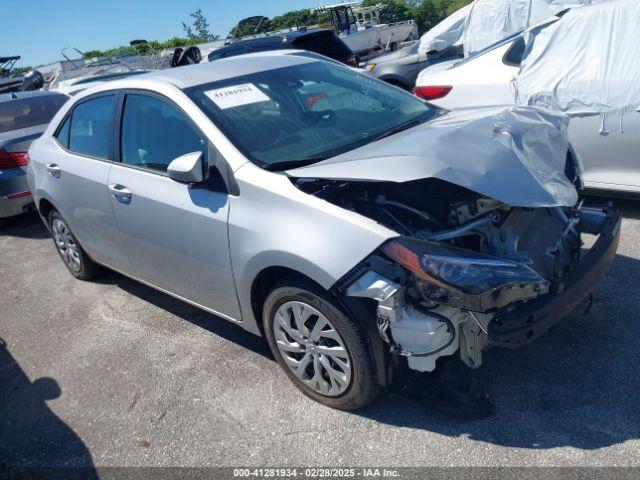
x,y
63,133
90,130
30,111
514,55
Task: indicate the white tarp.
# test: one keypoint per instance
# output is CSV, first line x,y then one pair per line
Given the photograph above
x,y
493,20
586,63
446,33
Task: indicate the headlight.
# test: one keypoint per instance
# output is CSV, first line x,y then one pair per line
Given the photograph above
x,y
371,66
457,274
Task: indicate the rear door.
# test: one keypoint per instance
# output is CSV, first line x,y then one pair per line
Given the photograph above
x,y
609,148
175,236
77,170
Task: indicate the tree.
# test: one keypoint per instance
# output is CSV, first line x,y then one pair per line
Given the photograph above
x,y
426,15
457,5
394,11
200,29
295,18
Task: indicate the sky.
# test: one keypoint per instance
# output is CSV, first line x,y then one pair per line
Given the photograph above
x,y
39,29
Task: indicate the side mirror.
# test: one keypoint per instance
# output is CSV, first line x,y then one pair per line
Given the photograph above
x,y
47,388
187,168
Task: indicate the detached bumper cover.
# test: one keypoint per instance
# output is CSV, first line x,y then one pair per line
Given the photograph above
x,y
526,323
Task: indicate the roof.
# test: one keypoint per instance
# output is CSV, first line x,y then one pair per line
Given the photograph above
x,y
223,69
280,36
8,97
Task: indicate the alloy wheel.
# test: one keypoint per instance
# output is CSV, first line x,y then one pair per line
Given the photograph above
x,y
312,348
66,244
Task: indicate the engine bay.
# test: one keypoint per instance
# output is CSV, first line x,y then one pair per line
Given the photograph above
x,y
459,260
435,210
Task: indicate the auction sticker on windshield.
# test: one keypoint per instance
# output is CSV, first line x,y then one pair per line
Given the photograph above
x,y
236,96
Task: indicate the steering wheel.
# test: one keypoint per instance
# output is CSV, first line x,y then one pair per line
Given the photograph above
x,y
321,116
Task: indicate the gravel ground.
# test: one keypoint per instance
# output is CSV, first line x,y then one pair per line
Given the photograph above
x,y
112,373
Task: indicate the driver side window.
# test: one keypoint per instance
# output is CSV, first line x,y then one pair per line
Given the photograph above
x,y
155,133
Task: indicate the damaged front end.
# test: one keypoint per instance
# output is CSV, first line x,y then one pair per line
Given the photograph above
x,y
468,272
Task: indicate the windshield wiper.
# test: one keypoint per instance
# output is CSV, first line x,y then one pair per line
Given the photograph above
x,y
399,128
303,162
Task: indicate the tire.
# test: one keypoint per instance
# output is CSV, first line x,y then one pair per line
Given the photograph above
x,y
337,344
73,255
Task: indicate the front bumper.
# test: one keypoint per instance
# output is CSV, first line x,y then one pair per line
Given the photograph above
x,y
527,322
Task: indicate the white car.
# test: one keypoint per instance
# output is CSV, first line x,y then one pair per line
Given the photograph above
x,y
609,153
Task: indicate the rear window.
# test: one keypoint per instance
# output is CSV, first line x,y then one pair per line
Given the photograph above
x,y
28,112
328,45
515,53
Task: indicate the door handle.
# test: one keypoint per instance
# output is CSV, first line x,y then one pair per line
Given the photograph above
x,y
120,192
54,170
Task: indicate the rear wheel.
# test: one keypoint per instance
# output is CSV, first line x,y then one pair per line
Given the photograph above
x,y
321,349
74,257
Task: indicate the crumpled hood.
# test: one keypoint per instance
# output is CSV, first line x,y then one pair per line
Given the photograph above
x,y
516,155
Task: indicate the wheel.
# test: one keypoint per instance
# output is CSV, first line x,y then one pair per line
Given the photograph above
x,y
74,257
321,349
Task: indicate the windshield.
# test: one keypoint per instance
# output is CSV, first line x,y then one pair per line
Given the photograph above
x,y
30,111
295,116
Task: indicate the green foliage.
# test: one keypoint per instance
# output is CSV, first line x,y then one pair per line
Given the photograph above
x,y
426,13
200,27
395,10
457,5
247,28
150,47
294,18
17,70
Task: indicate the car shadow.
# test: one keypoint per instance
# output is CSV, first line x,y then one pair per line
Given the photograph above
x,y
207,321
27,225
576,386
34,441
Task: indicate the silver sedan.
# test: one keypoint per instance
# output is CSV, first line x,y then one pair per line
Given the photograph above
x,y
356,227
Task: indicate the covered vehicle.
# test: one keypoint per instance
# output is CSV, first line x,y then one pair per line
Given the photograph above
x,y
580,63
441,43
490,21
358,228
23,118
446,34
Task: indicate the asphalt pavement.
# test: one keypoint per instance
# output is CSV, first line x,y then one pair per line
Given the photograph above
x,y
113,373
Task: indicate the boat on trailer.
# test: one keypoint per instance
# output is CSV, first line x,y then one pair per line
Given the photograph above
x,y
361,29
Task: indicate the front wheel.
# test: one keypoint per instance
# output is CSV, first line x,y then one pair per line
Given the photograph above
x,y
321,349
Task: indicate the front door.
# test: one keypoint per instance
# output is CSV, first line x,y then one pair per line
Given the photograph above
x,y
176,237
